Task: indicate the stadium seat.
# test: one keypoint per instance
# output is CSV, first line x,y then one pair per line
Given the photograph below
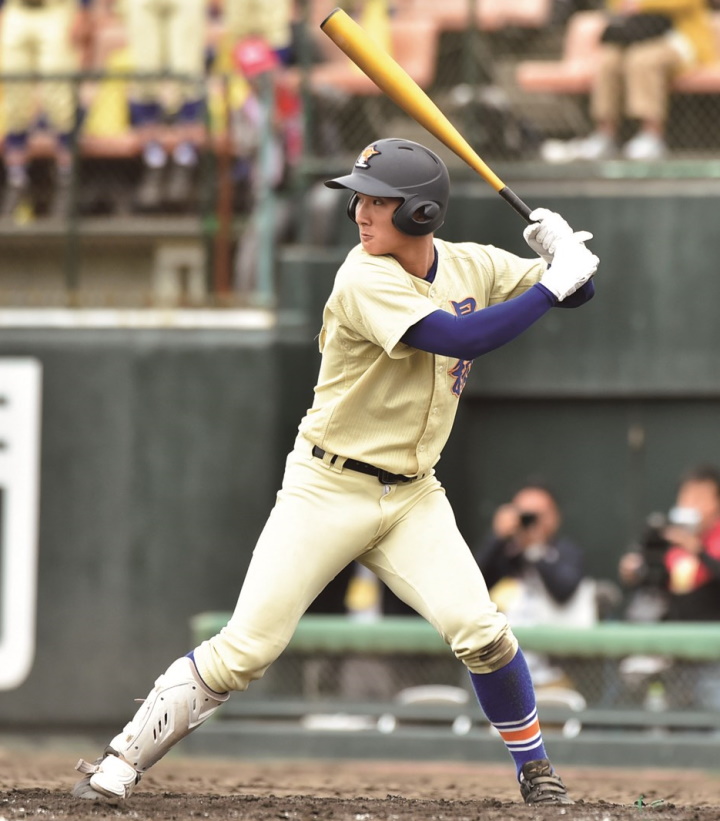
x,y
498,14
489,15
574,71
413,45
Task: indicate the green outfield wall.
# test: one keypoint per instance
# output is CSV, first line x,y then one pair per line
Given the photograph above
x,y
162,449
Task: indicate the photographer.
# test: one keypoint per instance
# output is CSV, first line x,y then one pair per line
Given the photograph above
x,y
679,557
675,576
525,539
536,576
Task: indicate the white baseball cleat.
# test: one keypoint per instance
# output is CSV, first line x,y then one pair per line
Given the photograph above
x,y
109,779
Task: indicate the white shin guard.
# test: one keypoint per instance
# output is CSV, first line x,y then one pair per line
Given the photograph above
x,y
179,702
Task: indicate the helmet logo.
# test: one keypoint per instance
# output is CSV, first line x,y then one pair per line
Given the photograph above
x,y
363,161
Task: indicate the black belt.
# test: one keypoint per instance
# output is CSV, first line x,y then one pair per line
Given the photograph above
x,y
33,4
383,476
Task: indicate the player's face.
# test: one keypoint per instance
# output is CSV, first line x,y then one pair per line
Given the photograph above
x,y
378,234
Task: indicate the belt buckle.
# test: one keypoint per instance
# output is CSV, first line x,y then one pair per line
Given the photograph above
x,y
386,478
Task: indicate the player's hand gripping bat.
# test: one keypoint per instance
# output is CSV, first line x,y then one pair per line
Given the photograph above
x,y
397,84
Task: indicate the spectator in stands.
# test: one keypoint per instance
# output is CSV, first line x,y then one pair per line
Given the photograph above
x,y
536,575
267,124
688,550
257,18
679,558
167,37
252,25
642,51
46,38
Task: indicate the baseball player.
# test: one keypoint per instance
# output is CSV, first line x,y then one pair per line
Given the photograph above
x,y
42,36
407,316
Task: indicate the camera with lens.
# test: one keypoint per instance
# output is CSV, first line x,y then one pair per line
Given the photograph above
x,y
528,520
654,543
653,540
653,546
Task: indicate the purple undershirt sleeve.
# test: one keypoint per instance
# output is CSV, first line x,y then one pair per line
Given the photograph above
x,y
472,335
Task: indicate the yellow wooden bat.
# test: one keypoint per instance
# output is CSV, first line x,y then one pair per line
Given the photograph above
x,y
399,86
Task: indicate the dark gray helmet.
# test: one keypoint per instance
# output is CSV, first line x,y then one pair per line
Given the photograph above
x,y
400,168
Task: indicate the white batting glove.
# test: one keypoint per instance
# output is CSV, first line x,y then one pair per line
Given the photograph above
x,y
547,228
571,268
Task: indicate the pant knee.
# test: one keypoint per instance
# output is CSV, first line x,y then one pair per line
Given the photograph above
x,y
489,656
229,662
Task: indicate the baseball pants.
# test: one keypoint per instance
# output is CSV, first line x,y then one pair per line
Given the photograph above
x,y
167,35
324,518
635,80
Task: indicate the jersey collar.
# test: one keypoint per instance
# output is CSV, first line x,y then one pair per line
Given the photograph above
x,y
430,276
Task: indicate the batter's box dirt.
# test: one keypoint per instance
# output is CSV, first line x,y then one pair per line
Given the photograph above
x,y
35,784
52,805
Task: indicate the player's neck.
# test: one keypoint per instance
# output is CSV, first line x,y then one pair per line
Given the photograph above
x,y
416,256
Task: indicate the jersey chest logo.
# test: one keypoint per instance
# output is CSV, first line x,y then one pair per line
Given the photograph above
x,y
461,369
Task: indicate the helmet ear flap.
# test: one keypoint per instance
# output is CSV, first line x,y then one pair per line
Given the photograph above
x,y
351,206
430,210
418,218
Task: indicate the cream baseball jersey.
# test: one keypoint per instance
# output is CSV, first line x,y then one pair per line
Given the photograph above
x,y
377,399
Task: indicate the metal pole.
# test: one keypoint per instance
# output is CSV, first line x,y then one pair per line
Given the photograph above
x,y
265,209
309,121
72,245
224,202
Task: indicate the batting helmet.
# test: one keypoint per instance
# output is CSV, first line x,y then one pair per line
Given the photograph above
x,y
400,168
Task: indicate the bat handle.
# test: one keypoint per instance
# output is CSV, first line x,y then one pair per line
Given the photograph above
x,y
521,207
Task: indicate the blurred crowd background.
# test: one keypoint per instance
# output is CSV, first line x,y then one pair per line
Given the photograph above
x,y
213,119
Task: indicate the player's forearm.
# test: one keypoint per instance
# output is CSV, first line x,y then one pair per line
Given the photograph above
x,y
475,334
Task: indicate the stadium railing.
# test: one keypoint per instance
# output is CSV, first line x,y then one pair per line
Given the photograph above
x,y
592,706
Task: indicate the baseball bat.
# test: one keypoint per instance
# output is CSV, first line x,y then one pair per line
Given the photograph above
x,y
399,86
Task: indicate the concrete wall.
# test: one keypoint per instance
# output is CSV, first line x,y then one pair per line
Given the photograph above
x,y
159,455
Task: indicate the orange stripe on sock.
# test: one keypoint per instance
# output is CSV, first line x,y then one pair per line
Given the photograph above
x,y
510,736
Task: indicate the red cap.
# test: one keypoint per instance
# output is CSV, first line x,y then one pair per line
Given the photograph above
x,y
253,56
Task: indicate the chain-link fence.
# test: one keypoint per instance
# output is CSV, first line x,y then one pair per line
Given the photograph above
x,y
508,74
638,682
613,675
512,76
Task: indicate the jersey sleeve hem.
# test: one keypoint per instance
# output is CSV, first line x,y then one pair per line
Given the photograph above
x,y
396,349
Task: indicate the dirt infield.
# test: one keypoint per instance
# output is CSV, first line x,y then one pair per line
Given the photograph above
x,y
35,783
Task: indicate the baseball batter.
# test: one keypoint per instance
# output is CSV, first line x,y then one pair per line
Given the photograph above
x,y
407,315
